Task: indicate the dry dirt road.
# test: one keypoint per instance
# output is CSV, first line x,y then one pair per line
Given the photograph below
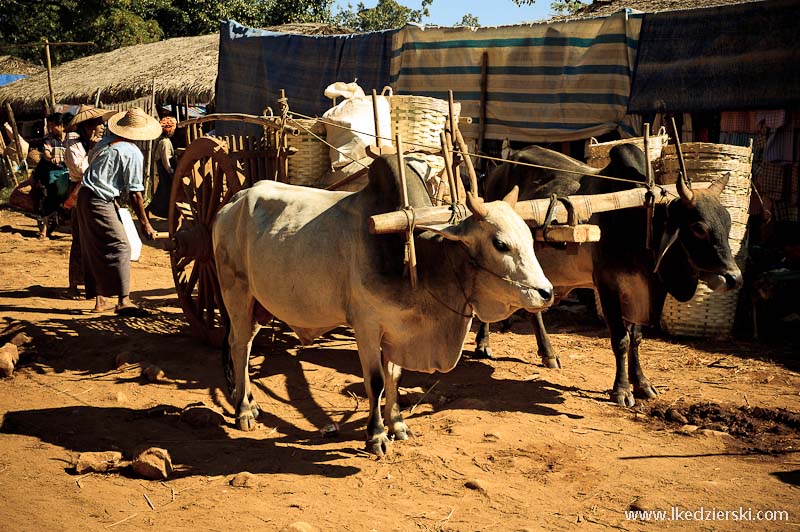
x,y
501,445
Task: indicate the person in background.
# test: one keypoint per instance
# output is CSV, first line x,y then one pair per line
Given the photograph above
x,y
165,163
87,128
116,166
50,174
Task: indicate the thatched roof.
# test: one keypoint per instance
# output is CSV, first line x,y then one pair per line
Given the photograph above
x,y
602,8
181,66
185,65
14,65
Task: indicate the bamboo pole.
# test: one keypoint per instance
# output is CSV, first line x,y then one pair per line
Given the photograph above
x,y
49,75
650,184
679,151
448,166
532,211
462,146
451,140
21,162
412,253
378,132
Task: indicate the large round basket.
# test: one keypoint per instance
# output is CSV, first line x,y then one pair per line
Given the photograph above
x,y
312,158
420,120
711,314
597,152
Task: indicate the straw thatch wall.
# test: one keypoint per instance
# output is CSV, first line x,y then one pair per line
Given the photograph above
x,y
181,66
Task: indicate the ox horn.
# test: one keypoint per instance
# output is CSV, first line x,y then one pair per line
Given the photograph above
x,y
719,184
476,206
512,197
684,190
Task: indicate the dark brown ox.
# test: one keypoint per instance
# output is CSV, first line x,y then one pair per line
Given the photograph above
x,y
690,236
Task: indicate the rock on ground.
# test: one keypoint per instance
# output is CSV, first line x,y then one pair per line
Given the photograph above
x,y
98,462
153,463
9,356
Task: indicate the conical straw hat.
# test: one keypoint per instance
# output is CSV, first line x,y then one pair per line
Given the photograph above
x,y
87,112
134,124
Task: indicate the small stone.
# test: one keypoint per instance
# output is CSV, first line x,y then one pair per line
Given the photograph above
x,y
9,356
121,397
687,429
476,485
202,417
20,339
712,433
644,504
300,526
98,462
673,414
153,373
491,436
153,463
244,480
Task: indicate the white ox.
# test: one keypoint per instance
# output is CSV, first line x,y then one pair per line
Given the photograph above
x,y
306,257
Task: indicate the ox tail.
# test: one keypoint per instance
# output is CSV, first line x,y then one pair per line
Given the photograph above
x,y
227,361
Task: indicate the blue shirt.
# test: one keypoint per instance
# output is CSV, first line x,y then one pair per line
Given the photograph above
x,y
117,165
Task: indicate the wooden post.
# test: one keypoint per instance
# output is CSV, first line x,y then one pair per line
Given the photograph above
x,y
49,75
150,180
482,110
97,98
679,151
451,140
23,164
650,187
378,131
412,253
448,166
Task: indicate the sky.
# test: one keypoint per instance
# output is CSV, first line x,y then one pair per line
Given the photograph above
x,y
489,12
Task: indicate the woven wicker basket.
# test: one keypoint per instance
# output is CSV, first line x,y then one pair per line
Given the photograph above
x,y
711,314
420,120
597,153
312,158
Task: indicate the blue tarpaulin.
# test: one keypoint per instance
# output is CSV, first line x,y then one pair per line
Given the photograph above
x,y
254,65
5,79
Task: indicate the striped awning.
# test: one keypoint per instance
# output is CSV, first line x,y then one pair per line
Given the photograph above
x,y
545,82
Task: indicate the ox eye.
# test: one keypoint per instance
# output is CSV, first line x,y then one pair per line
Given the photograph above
x,y
499,245
699,230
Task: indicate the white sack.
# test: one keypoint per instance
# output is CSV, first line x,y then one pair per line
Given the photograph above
x,y
350,125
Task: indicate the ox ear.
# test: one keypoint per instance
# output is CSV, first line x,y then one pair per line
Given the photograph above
x,y
718,184
449,232
476,206
512,197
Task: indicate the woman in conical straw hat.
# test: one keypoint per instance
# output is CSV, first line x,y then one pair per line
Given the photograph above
x,y
116,166
85,130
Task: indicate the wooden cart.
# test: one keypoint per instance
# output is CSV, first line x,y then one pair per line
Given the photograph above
x,y
212,169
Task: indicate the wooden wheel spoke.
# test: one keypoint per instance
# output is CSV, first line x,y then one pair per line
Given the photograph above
x,y
192,282
182,263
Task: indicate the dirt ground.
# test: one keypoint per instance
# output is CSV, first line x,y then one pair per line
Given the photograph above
x,y
500,444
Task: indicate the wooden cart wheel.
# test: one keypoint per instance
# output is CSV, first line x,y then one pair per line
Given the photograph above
x,y
205,179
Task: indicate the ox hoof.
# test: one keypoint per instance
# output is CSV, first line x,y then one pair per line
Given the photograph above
x,y
623,398
378,444
400,431
246,422
255,409
551,362
645,390
482,352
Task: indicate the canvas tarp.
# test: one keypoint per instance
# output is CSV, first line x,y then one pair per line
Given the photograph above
x,y
254,65
742,56
545,82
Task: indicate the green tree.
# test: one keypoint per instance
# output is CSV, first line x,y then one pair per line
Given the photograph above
x,y
469,20
385,15
563,7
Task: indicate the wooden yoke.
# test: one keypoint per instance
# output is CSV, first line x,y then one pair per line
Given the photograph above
x,y
532,211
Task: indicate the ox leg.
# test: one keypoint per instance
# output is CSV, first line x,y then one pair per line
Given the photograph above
x,y
620,341
641,385
549,356
369,352
240,339
482,348
394,419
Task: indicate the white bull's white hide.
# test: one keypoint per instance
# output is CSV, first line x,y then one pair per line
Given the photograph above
x,y
306,256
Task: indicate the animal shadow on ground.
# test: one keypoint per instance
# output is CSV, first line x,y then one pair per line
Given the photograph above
x,y
205,451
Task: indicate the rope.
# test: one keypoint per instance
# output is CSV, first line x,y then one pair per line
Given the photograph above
x,y
479,156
